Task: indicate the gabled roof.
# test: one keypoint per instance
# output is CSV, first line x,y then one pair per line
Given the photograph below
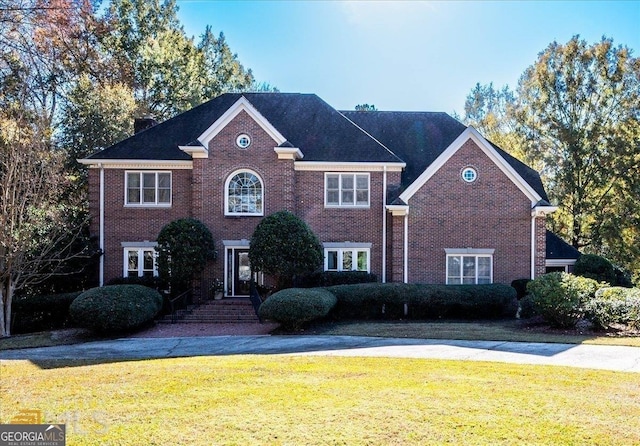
x,y
559,249
305,120
419,138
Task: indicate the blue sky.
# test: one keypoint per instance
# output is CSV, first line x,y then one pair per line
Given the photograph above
x,y
412,55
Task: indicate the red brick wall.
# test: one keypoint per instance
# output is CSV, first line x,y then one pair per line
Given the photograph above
x,y
447,212
225,157
131,224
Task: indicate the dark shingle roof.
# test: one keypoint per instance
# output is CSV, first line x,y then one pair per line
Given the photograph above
x,y
319,131
559,249
305,120
420,137
416,137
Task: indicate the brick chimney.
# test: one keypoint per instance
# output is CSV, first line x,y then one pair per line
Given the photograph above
x,y
140,124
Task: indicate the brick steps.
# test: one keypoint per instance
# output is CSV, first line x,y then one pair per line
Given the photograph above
x,y
225,311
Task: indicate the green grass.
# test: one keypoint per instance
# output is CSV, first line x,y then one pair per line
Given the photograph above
x,y
294,400
500,330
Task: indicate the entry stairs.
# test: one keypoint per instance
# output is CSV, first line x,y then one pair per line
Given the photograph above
x,y
223,311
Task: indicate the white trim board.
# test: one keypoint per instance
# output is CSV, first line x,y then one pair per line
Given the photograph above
x,y
483,144
240,105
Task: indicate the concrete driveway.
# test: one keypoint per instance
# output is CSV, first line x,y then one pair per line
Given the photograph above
x,y
626,359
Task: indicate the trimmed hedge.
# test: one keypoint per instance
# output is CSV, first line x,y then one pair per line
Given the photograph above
x,y
148,281
331,278
387,301
615,305
295,306
560,297
39,313
116,308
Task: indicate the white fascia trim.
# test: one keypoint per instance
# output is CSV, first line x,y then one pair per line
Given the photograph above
x,y
348,167
541,211
398,210
243,243
288,153
195,151
471,133
329,245
559,262
454,251
144,244
241,104
137,164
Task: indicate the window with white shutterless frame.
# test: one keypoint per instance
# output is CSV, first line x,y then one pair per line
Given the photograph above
x,y
469,266
346,189
347,257
140,261
147,188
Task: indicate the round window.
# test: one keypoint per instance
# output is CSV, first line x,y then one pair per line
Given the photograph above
x,y
243,141
469,174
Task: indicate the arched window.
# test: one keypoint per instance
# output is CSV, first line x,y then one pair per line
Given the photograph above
x,y
244,194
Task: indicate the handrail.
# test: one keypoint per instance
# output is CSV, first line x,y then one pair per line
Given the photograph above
x,y
255,298
182,299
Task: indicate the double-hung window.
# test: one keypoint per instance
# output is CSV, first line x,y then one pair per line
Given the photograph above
x,y
346,189
140,262
469,267
148,188
347,258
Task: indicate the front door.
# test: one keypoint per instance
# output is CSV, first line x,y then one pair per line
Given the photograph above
x,y
238,272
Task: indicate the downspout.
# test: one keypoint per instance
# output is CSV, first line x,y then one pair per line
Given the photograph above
x,y
533,245
101,235
406,247
384,225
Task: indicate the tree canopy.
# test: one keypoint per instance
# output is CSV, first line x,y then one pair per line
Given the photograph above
x,y
575,116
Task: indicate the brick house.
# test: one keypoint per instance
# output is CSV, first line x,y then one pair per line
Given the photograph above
x,y
408,196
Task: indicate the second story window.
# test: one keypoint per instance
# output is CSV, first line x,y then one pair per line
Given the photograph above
x,y
346,189
148,188
244,194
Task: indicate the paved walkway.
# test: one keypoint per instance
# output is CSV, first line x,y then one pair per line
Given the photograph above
x,y
625,359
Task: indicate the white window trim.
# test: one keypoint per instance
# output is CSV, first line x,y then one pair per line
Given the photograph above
x,y
226,195
145,205
469,252
341,248
140,248
350,206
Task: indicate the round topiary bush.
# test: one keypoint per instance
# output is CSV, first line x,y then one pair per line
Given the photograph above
x,y
115,308
560,297
595,267
294,306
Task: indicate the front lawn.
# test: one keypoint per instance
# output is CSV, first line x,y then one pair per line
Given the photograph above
x,y
289,400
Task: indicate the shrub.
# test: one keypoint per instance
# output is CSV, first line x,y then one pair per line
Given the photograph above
x,y
283,246
294,306
390,300
560,297
615,305
331,278
148,281
184,248
38,313
527,308
595,267
520,286
115,308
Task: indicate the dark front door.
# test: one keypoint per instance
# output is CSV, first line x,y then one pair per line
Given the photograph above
x,y
242,273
